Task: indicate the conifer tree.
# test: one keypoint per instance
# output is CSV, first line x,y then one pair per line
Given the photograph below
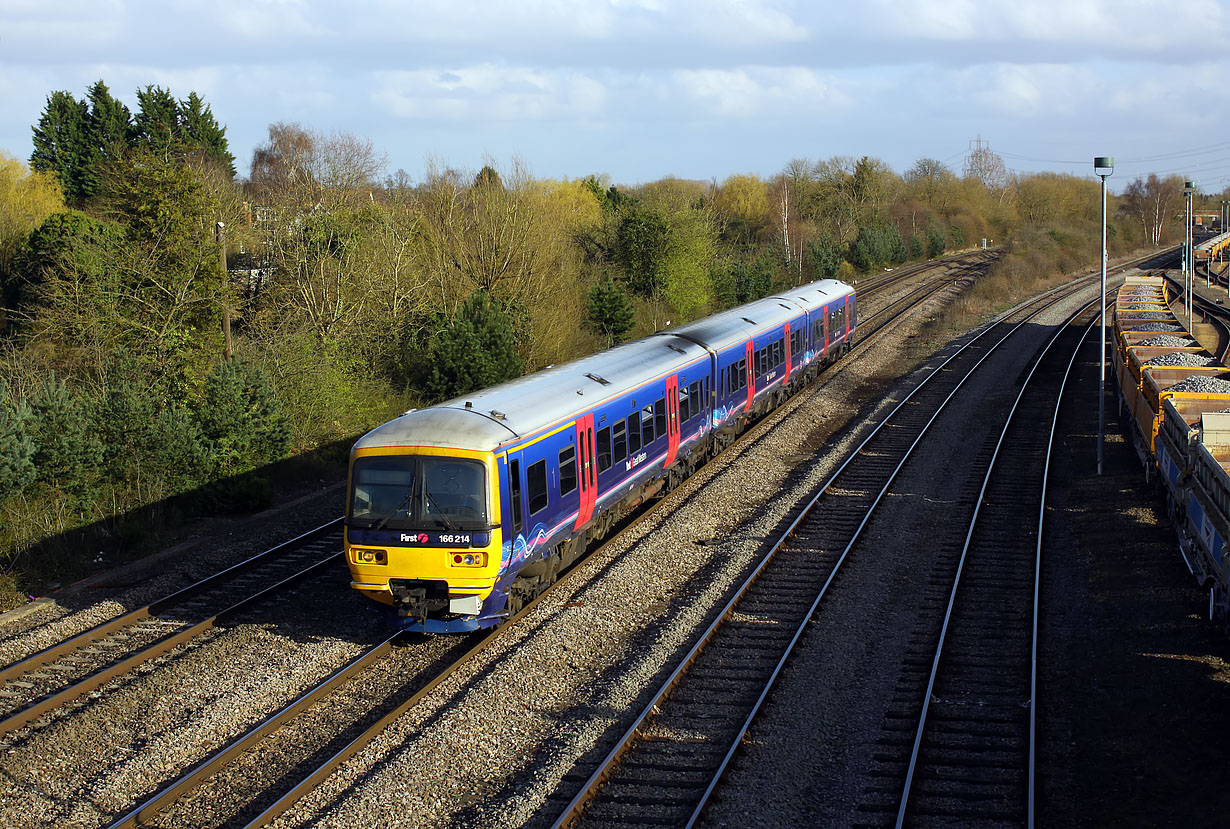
x,y
476,350
61,144
198,128
609,311
16,449
67,451
242,419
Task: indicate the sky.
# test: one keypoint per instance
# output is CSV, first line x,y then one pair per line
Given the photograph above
x,y
642,89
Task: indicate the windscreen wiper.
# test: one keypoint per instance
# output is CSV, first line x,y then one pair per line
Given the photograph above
x,y
404,501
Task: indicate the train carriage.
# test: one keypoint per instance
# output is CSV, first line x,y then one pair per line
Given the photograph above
x,y
460,513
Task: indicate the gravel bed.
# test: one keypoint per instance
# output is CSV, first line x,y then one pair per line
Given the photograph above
x,y
1154,326
1166,341
1146,307
514,724
217,546
1198,384
1182,358
1152,315
90,764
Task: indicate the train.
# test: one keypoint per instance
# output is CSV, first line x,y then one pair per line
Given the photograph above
x,y
459,514
1175,396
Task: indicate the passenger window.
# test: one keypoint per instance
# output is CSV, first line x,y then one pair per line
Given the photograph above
x,y
620,437
647,434
697,404
514,494
634,432
684,414
659,416
567,470
604,449
536,485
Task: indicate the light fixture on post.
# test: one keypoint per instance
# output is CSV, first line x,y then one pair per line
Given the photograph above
x,y
1189,267
1103,167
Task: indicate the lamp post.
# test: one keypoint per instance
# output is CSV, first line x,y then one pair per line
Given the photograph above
x,y
1103,167
1189,267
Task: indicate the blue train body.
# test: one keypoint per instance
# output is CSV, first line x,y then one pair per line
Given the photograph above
x,y
458,514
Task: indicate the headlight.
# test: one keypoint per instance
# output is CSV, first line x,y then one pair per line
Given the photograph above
x,y
469,559
360,556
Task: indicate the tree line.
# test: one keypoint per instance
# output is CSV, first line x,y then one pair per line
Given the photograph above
x,y
131,255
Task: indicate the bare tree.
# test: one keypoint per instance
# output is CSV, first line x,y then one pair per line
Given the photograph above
x,y
1150,202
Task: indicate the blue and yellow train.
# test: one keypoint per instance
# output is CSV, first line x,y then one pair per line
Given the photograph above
x,y
460,513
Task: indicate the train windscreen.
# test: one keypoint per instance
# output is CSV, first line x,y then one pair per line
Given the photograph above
x,y
418,492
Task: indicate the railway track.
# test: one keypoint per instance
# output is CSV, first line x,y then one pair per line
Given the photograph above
x,y
52,678
668,763
960,737
266,805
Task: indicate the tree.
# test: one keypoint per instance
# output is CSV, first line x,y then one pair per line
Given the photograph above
x,y
109,133
61,144
475,350
17,469
67,450
644,242
156,124
1150,202
610,311
987,167
935,242
26,200
241,418
198,129
823,259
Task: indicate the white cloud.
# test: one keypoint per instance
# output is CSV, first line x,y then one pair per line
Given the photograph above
x,y
757,91
488,92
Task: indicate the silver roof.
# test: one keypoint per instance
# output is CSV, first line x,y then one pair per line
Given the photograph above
x,y
816,294
487,419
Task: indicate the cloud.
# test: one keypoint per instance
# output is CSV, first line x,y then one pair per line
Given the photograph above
x,y
488,92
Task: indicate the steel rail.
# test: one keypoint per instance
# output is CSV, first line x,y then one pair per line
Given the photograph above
x,y
103,629
589,789
1009,422
160,647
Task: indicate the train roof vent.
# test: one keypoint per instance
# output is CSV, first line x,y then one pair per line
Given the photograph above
x,y
674,347
498,415
748,321
784,305
597,379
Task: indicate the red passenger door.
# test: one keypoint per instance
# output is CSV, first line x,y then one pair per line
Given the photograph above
x,y
672,419
587,470
751,375
786,376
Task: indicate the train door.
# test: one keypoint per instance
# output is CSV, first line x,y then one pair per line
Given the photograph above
x,y
786,346
751,375
672,419
587,470
825,313
514,509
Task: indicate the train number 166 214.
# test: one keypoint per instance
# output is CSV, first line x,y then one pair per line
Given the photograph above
x,y
454,539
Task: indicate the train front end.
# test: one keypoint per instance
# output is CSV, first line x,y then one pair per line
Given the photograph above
x,y
422,530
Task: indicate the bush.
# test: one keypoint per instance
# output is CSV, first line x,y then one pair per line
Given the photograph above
x,y
67,451
241,420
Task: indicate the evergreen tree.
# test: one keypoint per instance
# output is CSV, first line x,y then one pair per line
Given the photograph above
x,y
241,418
935,242
917,249
476,350
198,128
61,144
109,131
823,259
644,245
610,311
17,469
156,123
752,281
67,451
